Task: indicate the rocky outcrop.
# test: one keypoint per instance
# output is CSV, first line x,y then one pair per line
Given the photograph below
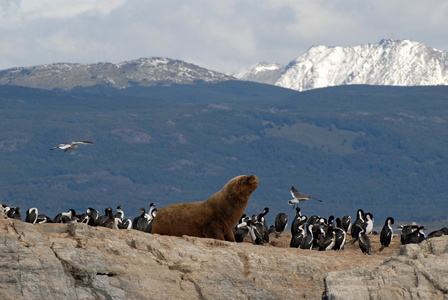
x,y
75,261
419,271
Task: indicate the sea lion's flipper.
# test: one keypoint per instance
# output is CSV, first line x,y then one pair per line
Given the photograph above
x,y
211,231
230,236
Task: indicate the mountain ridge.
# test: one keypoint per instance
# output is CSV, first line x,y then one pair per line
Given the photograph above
x,y
142,71
388,62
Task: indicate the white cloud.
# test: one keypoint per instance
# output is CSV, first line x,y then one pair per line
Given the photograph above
x,y
221,35
43,9
314,18
223,7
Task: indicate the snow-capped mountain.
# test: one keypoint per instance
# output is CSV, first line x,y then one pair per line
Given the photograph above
x,y
143,71
389,62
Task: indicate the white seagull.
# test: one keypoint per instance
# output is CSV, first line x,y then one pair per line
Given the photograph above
x,y
72,145
299,197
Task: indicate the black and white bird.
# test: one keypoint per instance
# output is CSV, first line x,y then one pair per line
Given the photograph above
x,y
417,236
438,233
406,230
72,145
319,234
43,219
369,223
120,213
103,218
386,233
298,197
346,223
262,224
260,217
109,220
314,219
94,216
31,215
281,222
340,237
14,213
125,224
307,241
297,222
6,208
357,225
152,212
139,221
241,229
297,238
256,232
364,241
84,218
144,221
65,217
329,240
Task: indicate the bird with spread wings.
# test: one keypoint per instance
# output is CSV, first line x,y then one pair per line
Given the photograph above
x,y
72,145
299,197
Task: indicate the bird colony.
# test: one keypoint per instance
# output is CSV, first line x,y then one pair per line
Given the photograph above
x,y
308,233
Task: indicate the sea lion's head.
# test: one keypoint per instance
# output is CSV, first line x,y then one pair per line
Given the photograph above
x,y
250,181
243,186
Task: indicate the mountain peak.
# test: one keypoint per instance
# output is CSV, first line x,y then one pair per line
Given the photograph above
x,y
389,62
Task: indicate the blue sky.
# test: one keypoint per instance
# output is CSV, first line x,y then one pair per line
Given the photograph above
x,y
224,36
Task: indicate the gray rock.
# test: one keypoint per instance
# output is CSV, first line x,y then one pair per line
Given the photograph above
x,y
419,271
75,261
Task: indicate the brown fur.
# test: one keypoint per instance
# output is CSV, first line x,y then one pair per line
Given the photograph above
x,y
212,218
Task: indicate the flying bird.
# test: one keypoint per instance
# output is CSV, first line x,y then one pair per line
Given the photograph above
x,y
299,197
72,145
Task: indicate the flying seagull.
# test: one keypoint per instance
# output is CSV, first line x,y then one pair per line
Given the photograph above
x,y
299,197
72,145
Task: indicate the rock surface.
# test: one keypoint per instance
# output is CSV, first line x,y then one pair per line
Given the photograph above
x,y
419,271
80,262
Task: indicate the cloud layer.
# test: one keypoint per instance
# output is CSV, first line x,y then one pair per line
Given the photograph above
x,y
220,35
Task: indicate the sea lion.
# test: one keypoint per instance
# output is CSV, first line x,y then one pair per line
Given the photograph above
x,y
212,218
